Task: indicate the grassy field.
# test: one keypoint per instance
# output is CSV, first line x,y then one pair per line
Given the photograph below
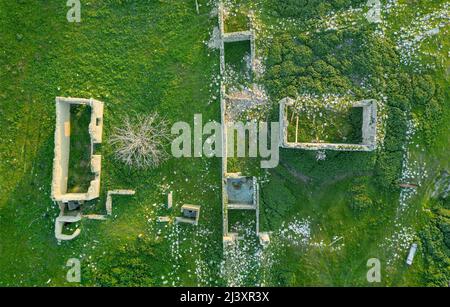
x,y
135,57
145,56
235,53
318,203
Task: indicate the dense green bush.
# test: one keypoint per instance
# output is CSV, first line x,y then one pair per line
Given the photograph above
x,y
306,9
444,227
437,255
435,238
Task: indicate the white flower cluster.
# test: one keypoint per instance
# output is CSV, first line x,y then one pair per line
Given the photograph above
x,y
413,170
399,243
296,232
341,19
242,261
410,38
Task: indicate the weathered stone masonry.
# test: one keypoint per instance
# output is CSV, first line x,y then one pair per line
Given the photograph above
x,y
233,197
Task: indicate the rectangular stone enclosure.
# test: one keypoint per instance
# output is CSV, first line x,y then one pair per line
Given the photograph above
x,y
191,214
240,191
62,149
369,129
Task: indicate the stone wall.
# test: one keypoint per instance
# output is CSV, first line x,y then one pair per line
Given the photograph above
x,y
62,148
231,37
369,129
224,37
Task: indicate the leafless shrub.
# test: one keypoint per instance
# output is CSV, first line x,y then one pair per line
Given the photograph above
x,y
140,142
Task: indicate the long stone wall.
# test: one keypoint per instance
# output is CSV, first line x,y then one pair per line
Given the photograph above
x,y
62,148
230,238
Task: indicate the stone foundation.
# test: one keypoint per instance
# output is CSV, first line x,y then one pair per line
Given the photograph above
x,y
61,164
369,129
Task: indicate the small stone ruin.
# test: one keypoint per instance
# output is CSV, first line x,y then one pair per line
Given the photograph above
x,y
190,215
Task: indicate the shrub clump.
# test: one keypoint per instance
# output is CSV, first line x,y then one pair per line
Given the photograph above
x,y
140,142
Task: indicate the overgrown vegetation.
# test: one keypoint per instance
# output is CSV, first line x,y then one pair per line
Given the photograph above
x,y
80,174
435,239
311,9
135,56
237,58
322,124
351,60
360,201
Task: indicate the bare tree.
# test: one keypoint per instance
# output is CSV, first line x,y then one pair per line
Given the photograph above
x,y
140,142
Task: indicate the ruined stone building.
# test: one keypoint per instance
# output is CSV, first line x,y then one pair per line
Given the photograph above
x,y
69,203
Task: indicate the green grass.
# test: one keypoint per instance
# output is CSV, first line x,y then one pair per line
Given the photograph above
x,y
80,174
135,57
146,56
235,54
302,187
236,22
331,127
